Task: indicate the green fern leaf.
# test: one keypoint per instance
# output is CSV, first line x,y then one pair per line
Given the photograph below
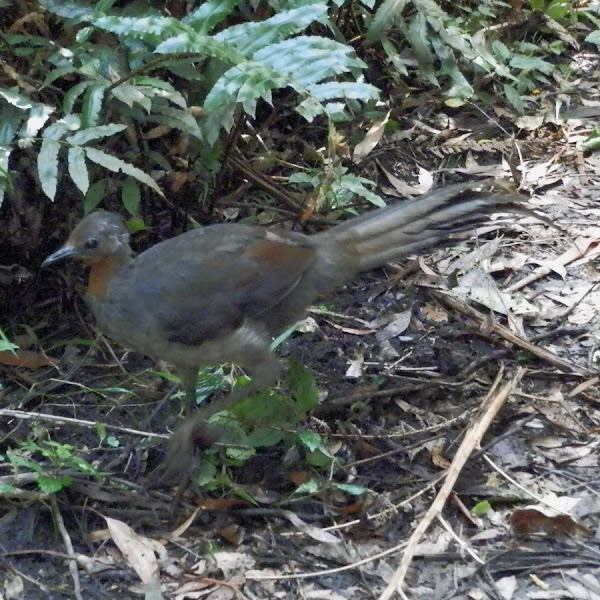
x,y
248,38
344,89
76,11
200,44
4,180
48,167
384,18
246,83
83,136
78,169
160,88
130,95
152,28
180,119
112,163
309,59
310,108
92,104
72,95
48,156
204,18
16,99
38,117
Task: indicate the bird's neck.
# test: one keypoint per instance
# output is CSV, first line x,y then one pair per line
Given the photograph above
x,y
102,271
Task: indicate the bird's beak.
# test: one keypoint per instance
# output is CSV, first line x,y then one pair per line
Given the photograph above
x,y
65,252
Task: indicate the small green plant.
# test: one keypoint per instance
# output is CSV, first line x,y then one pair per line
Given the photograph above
x,y
48,460
5,343
259,421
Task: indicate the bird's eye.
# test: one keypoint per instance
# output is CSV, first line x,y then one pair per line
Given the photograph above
x,y
91,244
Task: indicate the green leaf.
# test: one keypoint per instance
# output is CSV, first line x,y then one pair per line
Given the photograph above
x,y
303,386
320,458
38,117
20,461
513,96
78,169
92,104
240,454
112,163
310,108
357,185
6,489
252,36
94,196
73,93
308,488
10,120
16,99
57,74
112,441
5,152
594,37
482,508
203,45
130,95
209,14
264,437
531,63
308,59
5,343
83,136
344,89
181,120
384,18
51,485
244,495
48,167
162,89
72,10
394,56
417,36
353,490
310,440
100,430
205,474
131,196
152,28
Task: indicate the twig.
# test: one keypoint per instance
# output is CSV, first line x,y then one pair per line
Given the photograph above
x,y
33,416
69,545
490,406
509,336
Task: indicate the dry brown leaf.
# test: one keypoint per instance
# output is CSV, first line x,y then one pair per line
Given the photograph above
x,y
371,139
232,534
435,312
26,358
140,553
314,532
528,522
219,503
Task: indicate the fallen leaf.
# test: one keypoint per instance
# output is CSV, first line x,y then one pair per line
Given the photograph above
x,y
26,358
140,553
314,532
371,139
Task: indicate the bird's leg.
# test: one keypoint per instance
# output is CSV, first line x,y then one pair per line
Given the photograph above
x,y
195,431
189,378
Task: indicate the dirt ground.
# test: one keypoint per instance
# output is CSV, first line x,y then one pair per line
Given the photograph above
x,y
409,361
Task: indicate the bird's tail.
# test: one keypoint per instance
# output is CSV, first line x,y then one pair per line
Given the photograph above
x,y
433,219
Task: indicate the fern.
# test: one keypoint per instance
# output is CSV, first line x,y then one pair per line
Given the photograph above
x,y
242,64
